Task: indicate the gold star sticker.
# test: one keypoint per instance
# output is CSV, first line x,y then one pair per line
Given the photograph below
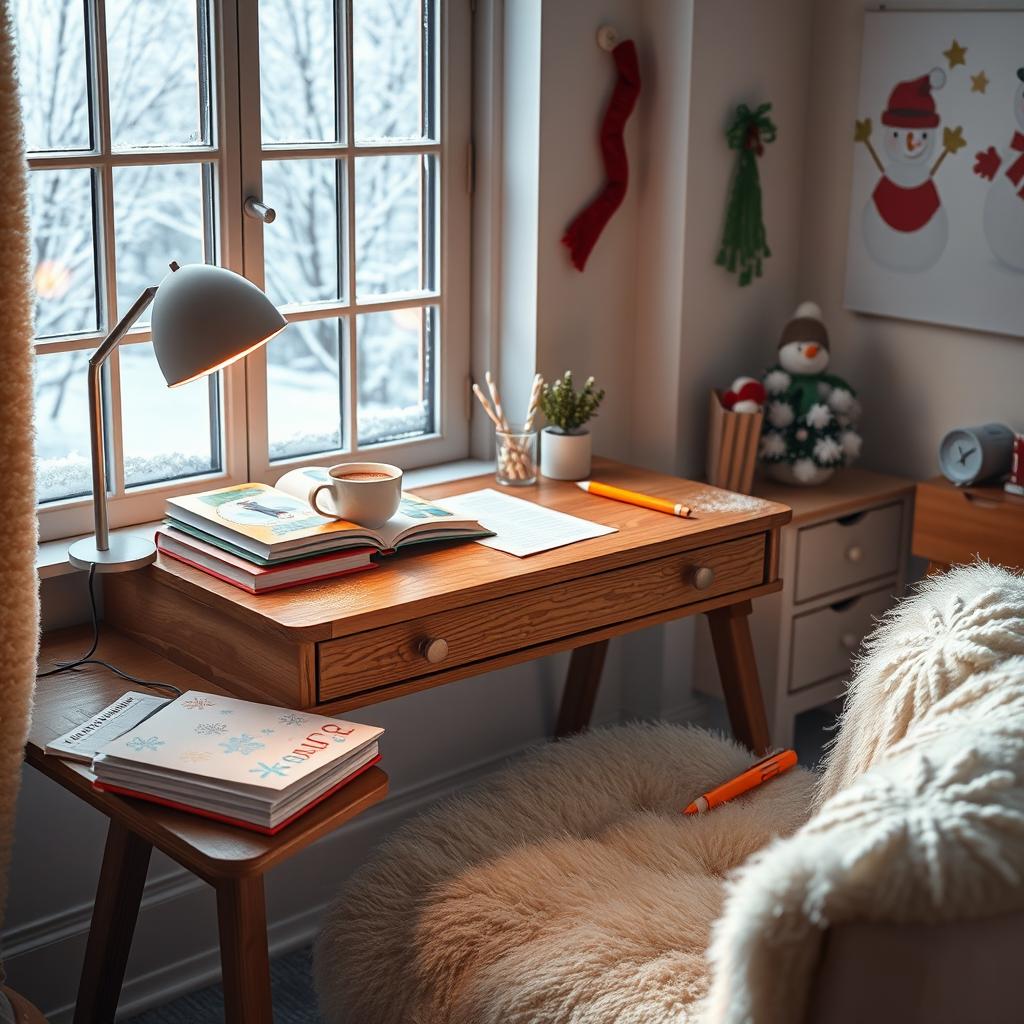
x,y
953,138
979,82
955,54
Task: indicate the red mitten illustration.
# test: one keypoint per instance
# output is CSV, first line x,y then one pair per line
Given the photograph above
x,y
986,163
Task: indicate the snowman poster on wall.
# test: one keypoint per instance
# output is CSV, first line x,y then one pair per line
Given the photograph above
x,y
937,206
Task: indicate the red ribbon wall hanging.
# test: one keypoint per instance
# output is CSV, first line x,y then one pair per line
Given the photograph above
x,y
582,234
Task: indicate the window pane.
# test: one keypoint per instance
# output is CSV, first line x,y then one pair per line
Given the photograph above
x,y
392,223
63,468
304,385
396,357
168,432
159,84
63,254
389,71
158,217
297,71
52,74
301,248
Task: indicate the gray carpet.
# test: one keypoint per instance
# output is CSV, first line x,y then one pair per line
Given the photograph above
x,y
290,978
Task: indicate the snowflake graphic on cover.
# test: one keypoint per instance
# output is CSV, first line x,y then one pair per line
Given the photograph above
x,y
260,745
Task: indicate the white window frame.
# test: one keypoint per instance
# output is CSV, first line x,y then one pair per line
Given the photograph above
x,y
236,154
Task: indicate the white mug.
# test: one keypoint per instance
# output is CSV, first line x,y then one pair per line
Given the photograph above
x,y
366,493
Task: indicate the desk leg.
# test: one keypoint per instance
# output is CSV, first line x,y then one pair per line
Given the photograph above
x,y
245,964
737,668
122,877
580,688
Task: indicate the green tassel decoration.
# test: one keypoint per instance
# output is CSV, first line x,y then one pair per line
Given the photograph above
x,y
744,242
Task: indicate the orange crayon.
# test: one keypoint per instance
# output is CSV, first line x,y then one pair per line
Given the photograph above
x,y
672,508
774,764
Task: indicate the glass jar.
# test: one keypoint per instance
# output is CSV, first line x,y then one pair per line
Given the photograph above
x,y
516,452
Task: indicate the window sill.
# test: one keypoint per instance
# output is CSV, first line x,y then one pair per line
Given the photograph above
x,y
52,555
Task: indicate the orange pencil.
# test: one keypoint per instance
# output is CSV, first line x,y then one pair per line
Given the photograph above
x,y
773,765
673,508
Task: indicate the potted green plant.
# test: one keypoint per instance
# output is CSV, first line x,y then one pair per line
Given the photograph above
x,y
565,443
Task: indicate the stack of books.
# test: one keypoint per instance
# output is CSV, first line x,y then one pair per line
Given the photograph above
x,y
253,765
262,538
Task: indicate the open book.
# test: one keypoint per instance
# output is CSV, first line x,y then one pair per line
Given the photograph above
x,y
269,525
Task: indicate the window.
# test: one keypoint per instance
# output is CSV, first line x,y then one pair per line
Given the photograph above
x,y
149,123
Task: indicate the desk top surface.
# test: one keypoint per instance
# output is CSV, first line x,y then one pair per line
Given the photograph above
x,y
435,578
210,848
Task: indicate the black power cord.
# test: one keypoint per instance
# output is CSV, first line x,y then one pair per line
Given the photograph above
x,y
88,659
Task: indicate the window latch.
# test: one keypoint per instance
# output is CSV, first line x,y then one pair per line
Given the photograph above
x,y
259,211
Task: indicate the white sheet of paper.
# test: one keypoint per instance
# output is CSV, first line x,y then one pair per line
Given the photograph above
x,y
521,527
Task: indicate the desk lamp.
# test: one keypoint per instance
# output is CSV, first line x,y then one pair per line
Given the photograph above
x,y
204,318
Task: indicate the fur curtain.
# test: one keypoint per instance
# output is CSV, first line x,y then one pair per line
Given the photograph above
x,y
19,589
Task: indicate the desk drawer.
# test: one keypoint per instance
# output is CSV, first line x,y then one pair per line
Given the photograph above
x,y
436,643
824,641
847,551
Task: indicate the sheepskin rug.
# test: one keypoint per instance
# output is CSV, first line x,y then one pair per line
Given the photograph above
x,y
569,890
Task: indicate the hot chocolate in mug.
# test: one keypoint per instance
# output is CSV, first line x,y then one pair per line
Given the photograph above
x,y
366,493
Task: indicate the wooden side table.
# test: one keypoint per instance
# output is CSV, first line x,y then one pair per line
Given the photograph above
x,y
843,559
232,860
954,525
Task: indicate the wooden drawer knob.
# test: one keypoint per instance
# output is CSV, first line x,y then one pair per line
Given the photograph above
x,y
849,641
701,577
854,553
435,650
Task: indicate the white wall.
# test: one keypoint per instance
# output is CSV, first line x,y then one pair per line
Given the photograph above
x,y
915,380
651,317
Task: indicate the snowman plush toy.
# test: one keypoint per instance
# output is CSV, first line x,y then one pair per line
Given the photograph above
x,y
810,415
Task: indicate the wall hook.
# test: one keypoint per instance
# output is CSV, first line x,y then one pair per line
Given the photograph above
x,y
607,37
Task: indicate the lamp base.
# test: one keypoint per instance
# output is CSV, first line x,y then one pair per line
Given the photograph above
x,y
122,555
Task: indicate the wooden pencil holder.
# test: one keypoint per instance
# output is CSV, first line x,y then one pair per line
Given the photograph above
x,y
733,438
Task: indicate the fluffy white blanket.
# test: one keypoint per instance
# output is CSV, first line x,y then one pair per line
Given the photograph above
x,y
921,805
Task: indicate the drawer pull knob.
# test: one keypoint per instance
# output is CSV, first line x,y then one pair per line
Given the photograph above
x,y
854,553
702,577
435,650
849,641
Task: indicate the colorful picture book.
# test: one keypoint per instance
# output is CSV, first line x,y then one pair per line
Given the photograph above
x,y
253,765
259,579
269,525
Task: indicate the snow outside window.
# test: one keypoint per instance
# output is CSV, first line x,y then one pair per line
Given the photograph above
x,y
148,124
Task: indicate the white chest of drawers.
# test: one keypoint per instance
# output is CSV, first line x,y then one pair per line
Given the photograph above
x,y
843,560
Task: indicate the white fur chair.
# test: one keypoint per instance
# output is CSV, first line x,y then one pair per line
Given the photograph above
x,y
569,888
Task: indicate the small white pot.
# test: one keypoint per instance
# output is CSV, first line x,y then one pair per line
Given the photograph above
x,y
565,456
783,473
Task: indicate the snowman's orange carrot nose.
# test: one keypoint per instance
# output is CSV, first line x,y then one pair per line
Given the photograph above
x,y
811,351
911,144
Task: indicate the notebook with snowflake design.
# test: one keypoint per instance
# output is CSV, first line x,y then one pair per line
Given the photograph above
x,y
254,765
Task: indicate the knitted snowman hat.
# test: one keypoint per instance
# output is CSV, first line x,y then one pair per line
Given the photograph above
x,y
806,325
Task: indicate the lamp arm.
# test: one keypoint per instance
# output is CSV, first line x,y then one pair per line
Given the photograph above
x,y
96,361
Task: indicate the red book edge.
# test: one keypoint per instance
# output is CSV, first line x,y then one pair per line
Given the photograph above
x,y
277,586
105,787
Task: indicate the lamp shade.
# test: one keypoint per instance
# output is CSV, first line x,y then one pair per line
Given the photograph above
x,y
207,317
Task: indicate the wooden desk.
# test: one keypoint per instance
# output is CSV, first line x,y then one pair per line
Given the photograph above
x,y
230,859
356,641
954,525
